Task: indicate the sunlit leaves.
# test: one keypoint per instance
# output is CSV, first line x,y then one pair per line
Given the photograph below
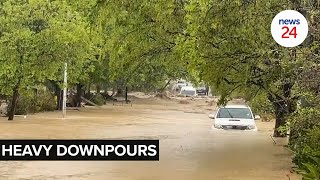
x,y
36,38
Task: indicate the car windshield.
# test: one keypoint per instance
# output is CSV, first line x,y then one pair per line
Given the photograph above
x,y
243,113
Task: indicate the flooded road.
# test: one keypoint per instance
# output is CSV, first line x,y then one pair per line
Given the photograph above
x,y
189,147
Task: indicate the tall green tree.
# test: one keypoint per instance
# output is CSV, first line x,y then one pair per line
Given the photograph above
x,y
141,40
230,43
36,38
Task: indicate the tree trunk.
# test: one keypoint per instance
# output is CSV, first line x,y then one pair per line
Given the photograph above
x,y
14,102
280,111
89,89
79,94
58,93
126,95
98,88
162,89
282,106
207,90
279,106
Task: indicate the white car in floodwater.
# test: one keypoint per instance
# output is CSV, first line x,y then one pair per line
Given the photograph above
x,y
235,117
188,91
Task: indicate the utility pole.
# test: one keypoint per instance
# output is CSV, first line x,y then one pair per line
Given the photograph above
x,y
65,83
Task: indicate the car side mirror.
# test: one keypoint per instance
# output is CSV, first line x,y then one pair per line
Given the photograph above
x,y
257,117
211,116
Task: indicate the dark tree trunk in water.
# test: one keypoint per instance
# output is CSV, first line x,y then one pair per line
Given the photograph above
x,y
79,94
207,89
14,102
279,107
280,111
282,107
98,89
126,95
58,93
89,90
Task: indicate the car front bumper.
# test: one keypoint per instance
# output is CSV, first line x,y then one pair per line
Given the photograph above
x,y
240,127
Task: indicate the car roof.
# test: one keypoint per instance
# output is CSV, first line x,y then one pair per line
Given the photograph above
x,y
235,106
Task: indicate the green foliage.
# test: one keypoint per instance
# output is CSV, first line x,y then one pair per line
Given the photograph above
x,y
306,148
311,171
24,105
31,101
45,101
305,140
37,37
98,99
225,47
140,41
261,105
301,122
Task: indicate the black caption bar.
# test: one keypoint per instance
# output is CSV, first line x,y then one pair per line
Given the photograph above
x,y
80,150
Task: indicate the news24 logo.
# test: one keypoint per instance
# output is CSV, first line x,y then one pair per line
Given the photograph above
x,y
289,28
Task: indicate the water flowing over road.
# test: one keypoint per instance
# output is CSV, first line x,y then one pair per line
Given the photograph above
x,y
189,147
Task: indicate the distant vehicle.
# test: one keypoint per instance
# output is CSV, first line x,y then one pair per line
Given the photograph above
x,y
235,117
201,90
188,91
180,84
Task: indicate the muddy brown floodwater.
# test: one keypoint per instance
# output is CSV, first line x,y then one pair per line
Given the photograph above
x,y
189,147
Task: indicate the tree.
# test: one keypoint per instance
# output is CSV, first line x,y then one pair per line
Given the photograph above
x,y
141,39
231,45
38,38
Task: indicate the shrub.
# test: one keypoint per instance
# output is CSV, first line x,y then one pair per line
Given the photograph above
x,y
301,123
261,104
29,102
307,147
98,99
24,105
311,170
305,140
45,101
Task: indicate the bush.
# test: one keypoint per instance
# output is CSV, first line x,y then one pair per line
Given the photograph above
x,y
261,104
98,99
29,102
304,127
301,123
308,158
311,170
45,101
24,105
307,147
